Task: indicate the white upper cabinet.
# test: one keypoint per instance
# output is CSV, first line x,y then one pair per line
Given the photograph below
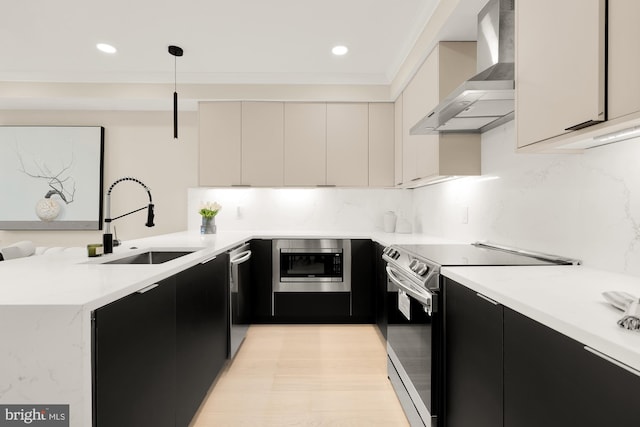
x,y
624,58
431,157
397,173
381,145
305,144
348,144
560,67
263,144
220,143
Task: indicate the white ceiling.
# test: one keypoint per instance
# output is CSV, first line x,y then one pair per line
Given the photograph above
x,y
48,46
224,41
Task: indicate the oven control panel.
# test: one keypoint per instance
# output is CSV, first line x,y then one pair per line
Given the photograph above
x,y
391,252
418,267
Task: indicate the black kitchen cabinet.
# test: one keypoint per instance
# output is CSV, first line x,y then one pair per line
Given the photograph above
x,y
261,280
312,307
380,290
362,281
201,327
473,358
552,380
134,345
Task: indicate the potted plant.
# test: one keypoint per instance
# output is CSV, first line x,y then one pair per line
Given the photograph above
x,y
208,212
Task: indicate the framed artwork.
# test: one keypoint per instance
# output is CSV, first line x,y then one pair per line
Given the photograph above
x,y
51,177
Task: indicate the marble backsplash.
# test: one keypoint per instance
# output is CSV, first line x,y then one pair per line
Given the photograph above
x,y
335,209
585,206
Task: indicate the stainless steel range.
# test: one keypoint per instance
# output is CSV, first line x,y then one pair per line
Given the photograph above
x,y
415,330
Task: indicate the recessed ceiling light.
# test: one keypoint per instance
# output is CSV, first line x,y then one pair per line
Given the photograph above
x,y
106,48
339,50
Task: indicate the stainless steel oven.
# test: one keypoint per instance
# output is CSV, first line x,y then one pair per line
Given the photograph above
x,y
311,265
414,334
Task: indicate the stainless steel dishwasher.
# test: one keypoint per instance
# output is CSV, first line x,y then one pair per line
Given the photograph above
x,y
239,298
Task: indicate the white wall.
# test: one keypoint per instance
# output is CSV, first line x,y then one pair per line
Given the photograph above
x,y
585,206
138,144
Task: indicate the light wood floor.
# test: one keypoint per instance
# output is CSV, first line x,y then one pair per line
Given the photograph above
x,y
305,375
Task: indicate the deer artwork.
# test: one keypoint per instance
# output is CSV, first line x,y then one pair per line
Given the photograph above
x,y
60,183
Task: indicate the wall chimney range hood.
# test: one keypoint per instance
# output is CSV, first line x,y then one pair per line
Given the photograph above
x,y
487,99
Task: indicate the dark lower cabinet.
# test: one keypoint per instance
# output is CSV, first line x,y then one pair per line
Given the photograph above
x,y
551,380
473,358
157,351
134,344
505,369
312,307
362,281
261,280
201,332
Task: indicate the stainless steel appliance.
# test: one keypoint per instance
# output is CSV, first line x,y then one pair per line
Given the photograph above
x,y
415,331
486,100
239,309
311,265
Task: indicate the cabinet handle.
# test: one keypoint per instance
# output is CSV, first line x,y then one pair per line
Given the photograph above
x,y
206,260
416,179
487,299
612,360
584,125
147,289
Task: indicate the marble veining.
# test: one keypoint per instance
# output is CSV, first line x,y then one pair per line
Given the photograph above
x,y
585,206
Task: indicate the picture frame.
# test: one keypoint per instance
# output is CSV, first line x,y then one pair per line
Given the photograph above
x,y
51,177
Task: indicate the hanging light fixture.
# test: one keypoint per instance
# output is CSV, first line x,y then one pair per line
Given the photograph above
x,y
175,51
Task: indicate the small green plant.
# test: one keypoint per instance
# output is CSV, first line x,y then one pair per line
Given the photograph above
x,y
209,209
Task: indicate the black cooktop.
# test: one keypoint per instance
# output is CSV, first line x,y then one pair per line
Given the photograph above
x,y
460,255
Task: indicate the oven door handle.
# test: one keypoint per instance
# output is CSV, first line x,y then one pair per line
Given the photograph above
x,y
423,296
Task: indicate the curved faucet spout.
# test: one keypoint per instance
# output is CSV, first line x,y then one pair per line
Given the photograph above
x,y
107,237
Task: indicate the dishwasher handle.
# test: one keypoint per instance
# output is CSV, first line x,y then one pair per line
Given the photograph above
x,y
240,258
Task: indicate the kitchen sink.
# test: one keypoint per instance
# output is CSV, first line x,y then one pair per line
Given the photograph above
x,y
150,257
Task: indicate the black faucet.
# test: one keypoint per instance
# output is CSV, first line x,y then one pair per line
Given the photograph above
x,y
107,238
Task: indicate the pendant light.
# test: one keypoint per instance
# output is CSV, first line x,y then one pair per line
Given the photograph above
x,y
175,51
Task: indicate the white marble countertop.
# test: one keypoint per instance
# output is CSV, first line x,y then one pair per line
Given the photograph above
x,y
565,298
70,278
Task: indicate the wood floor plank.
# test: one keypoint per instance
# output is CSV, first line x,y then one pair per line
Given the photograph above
x,y
304,375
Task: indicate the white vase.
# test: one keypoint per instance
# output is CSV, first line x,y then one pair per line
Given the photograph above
x,y
389,222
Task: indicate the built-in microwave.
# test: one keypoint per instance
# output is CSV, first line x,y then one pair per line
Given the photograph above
x,y
311,265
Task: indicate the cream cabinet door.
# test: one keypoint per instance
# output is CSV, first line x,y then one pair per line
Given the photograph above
x,y
220,131
263,144
305,144
623,58
560,67
398,141
381,147
348,144
420,152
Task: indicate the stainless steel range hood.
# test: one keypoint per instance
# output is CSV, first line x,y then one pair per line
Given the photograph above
x,y
487,99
